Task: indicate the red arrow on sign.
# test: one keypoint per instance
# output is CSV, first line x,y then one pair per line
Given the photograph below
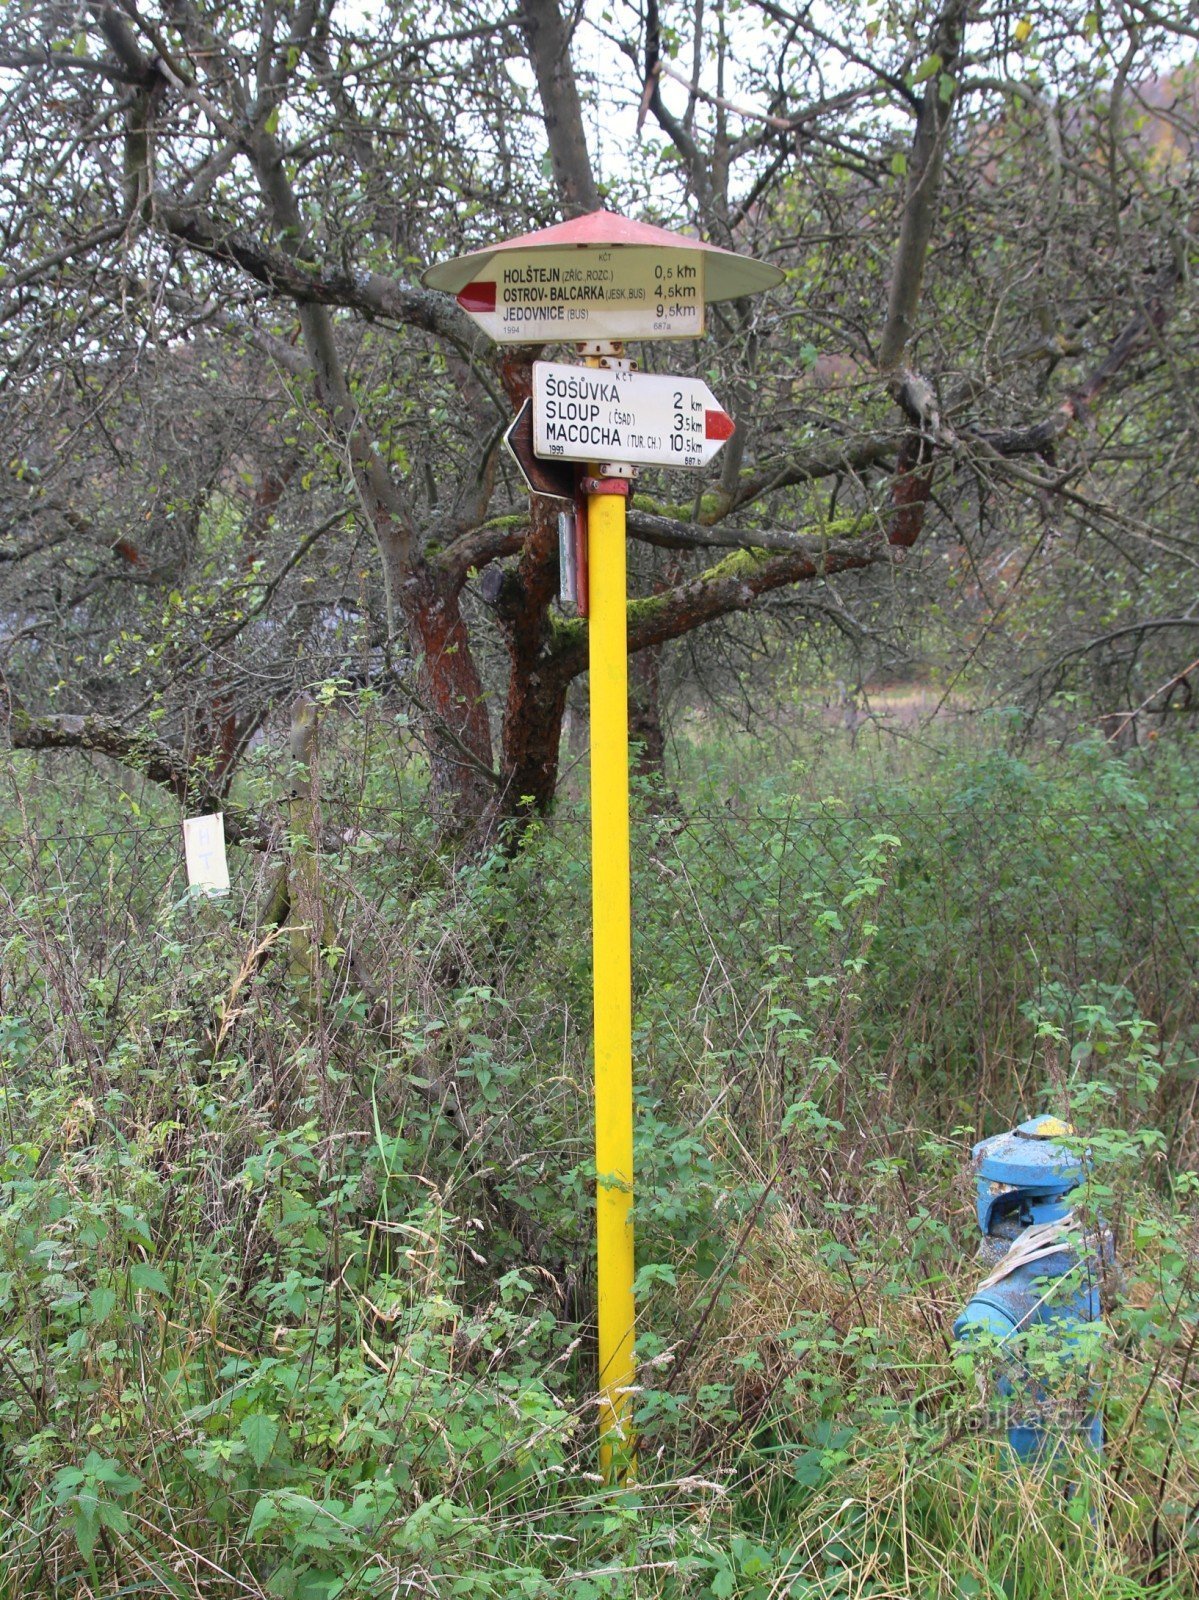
x,y
479,296
644,418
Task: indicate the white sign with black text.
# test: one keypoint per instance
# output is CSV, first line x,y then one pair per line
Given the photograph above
x,y
574,294
594,414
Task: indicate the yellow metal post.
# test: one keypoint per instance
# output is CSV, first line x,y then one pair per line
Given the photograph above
x,y
612,966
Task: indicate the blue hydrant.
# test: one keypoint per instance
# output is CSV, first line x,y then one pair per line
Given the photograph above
x,y
1046,1274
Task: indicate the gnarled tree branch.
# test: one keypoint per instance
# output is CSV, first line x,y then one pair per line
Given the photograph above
x,y
142,753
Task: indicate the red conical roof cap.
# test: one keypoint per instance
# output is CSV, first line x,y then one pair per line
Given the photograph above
x,y
727,275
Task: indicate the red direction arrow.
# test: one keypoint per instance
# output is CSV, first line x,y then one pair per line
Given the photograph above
x,y
554,478
477,297
646,418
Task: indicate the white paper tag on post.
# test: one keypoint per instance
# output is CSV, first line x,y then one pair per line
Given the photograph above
x,y
204,847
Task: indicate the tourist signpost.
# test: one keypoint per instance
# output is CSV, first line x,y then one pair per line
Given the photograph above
x,y
580,414
638,293
596,281
558,479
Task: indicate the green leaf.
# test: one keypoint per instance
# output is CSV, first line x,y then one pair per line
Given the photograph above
x,y
723,1582
260,1431
271,125
101,1301
265,1512
899,164
87,1525
144,1276
111,1517
65,1484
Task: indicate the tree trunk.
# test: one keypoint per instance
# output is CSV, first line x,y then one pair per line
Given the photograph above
x,y
536,697
923,192
306,921
451,700
532,736
645,688
548,43
645,711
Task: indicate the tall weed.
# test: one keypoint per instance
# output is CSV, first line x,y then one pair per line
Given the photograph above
x,y
296,1276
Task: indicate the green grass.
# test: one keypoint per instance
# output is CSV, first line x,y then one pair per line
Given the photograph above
x,y
295,1282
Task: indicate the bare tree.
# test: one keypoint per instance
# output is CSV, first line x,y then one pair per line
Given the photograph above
x,y
987,244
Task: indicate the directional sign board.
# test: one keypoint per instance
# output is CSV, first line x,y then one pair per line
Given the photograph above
x,y
555,478
592,414
574,294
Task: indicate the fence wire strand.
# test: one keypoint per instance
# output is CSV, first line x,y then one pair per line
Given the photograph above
x,y
97,898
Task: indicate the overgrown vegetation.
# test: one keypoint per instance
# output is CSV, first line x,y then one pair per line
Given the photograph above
x,y
246,451
295,1256
296,1185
